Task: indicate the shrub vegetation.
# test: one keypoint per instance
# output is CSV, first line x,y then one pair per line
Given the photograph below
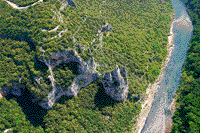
x,y
138,41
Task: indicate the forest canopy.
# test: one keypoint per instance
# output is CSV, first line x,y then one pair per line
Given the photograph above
x,y
138,41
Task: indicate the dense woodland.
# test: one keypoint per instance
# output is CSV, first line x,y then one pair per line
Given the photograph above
x,y
138,41
187,115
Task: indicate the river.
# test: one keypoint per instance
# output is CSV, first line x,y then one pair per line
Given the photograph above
x,y
160,109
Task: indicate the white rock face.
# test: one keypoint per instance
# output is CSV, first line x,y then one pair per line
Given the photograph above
x,y
107,27
115,85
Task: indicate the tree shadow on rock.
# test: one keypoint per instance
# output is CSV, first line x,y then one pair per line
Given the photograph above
x,y
34,113
102,100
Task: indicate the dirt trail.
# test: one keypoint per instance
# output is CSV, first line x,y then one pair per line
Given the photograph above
x,y
13,5
53,30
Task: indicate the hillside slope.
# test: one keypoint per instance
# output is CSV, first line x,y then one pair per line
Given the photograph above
x,y
138,42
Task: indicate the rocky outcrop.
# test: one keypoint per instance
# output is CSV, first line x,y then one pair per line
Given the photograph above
x,y
116,84
69,55
87,74
107,27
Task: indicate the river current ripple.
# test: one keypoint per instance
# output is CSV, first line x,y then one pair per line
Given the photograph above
x,y
182,29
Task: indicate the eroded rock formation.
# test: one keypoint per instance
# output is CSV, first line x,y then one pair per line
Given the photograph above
x,y
87,74
116,84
